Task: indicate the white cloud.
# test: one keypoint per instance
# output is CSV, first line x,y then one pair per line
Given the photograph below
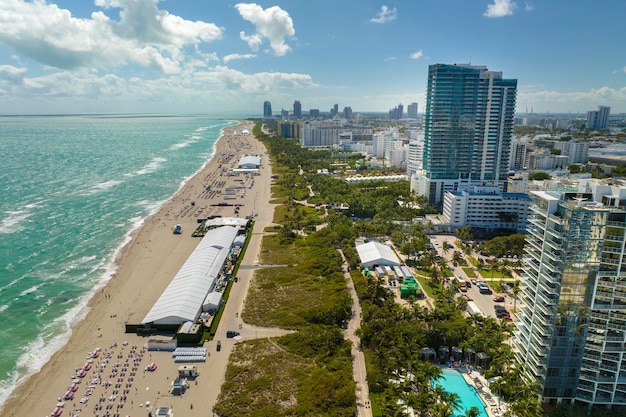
x,y
528,7
144,35
12,74
273,24
261,82
86,91
417,54
556,101
232,57
500,8
385,15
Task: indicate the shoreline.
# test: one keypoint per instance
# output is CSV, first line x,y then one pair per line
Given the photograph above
x,y
140,269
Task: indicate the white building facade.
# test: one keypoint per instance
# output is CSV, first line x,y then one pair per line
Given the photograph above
x,y
486,208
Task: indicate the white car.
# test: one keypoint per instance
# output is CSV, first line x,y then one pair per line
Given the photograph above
x,y
164,412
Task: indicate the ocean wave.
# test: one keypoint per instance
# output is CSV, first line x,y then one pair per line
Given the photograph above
x,y
14,222
39,351
30,290
149,168
192,139
101,187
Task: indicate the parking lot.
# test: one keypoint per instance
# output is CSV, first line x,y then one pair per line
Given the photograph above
x,y
484,300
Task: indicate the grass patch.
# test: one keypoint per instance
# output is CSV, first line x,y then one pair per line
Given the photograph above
x,y
301,374
289,298
470,272
492,274
275,253
425,283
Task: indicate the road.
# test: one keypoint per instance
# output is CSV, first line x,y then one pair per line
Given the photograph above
x,y
484,301
231,317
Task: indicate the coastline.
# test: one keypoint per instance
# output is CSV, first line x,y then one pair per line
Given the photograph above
x,y
143,267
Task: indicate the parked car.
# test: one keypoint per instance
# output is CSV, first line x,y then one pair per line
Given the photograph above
x,y
218,347
231,333
498,298
484,289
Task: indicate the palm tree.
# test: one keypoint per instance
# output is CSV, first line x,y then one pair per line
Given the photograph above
x,y
436,276
445,248
472,412
457,258
428,260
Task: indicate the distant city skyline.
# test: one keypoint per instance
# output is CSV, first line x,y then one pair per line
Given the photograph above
x,y
102,56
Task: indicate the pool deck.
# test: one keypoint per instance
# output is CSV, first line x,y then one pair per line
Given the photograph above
x,y
493,405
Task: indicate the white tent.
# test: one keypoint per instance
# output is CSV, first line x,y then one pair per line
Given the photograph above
x,y
226,221
182,299
212,301
374,253
249,162
239,241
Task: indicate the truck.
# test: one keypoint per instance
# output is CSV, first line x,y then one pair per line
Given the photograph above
x,y
187,371
472,309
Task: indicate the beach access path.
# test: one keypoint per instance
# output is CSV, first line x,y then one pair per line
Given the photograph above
x,y
144,269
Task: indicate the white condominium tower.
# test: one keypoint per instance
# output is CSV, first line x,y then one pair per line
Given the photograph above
x,y
571,319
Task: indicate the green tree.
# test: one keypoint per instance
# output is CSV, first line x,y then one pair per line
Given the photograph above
x,y
539,176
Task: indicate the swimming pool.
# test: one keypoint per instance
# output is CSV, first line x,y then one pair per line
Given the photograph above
x,y
452,381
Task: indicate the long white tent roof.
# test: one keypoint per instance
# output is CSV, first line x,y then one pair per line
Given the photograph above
x,y
182,299
374,253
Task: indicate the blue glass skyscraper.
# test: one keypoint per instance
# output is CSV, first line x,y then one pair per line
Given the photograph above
x,y
468,127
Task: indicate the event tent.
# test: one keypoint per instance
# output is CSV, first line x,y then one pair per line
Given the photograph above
x,y
182,300
374,253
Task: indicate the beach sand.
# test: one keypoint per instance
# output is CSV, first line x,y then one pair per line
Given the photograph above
x,y
145,267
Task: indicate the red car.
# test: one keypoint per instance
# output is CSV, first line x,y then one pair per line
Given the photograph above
x,y
498,298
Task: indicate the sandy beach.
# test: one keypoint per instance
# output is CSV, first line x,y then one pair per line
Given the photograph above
x,y
116,382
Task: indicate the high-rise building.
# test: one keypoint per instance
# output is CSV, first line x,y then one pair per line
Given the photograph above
x,y
297,110
570,320
468,128
334,111
396,113
598,119
519,149
414,156
267,109
411,111
314,113
347,112
289,128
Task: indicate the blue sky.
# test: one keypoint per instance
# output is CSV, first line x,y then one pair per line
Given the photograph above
x,y
190,56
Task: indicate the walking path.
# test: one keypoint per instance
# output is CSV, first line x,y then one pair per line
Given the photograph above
x,y
358,364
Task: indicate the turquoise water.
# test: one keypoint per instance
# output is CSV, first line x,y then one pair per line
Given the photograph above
x,y
452,381
73,190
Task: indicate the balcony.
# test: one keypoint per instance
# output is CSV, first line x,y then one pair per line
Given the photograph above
x,y
610,249
608,367
610,261
599,315
621,225
616,326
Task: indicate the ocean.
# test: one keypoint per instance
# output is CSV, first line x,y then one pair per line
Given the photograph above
x,y
74,188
